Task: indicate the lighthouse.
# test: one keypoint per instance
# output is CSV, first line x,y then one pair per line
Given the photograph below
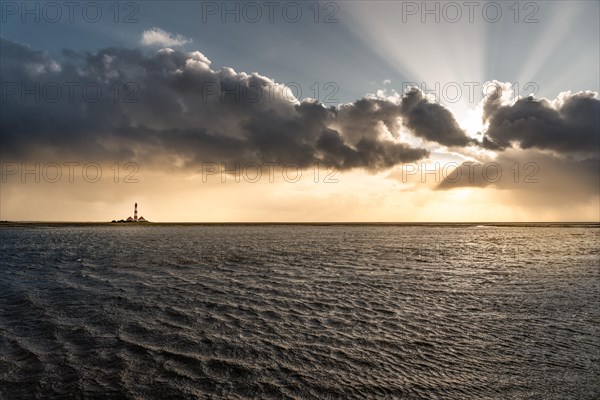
x,y
135,217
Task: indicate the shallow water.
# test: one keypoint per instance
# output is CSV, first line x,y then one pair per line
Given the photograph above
x,y
323,312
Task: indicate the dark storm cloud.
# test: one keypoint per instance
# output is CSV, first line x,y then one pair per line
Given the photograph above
x,y
537,176
427,120
545,149
570,124
431,120
172,107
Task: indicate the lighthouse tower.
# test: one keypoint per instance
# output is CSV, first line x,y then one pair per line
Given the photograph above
x,y
135,213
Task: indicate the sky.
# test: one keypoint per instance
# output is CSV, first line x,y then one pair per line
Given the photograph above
x,y
300,111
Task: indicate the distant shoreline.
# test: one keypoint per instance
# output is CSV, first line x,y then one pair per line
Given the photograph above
x,y
391,224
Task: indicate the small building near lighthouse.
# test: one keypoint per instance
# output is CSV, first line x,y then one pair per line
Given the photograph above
x,y
141,219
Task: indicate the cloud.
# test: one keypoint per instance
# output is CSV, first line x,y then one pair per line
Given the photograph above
x,y
159,37
432,121
171,108
568,124
547,151
532,176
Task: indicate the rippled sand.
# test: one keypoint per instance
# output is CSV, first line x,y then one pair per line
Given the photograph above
x,y
321,312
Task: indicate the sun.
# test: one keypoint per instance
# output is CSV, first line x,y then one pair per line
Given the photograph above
x,y
471,120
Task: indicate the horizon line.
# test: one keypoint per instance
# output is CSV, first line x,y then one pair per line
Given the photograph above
x,y
305,222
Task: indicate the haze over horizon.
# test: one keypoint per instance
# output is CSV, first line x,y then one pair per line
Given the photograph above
x,y
325,116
